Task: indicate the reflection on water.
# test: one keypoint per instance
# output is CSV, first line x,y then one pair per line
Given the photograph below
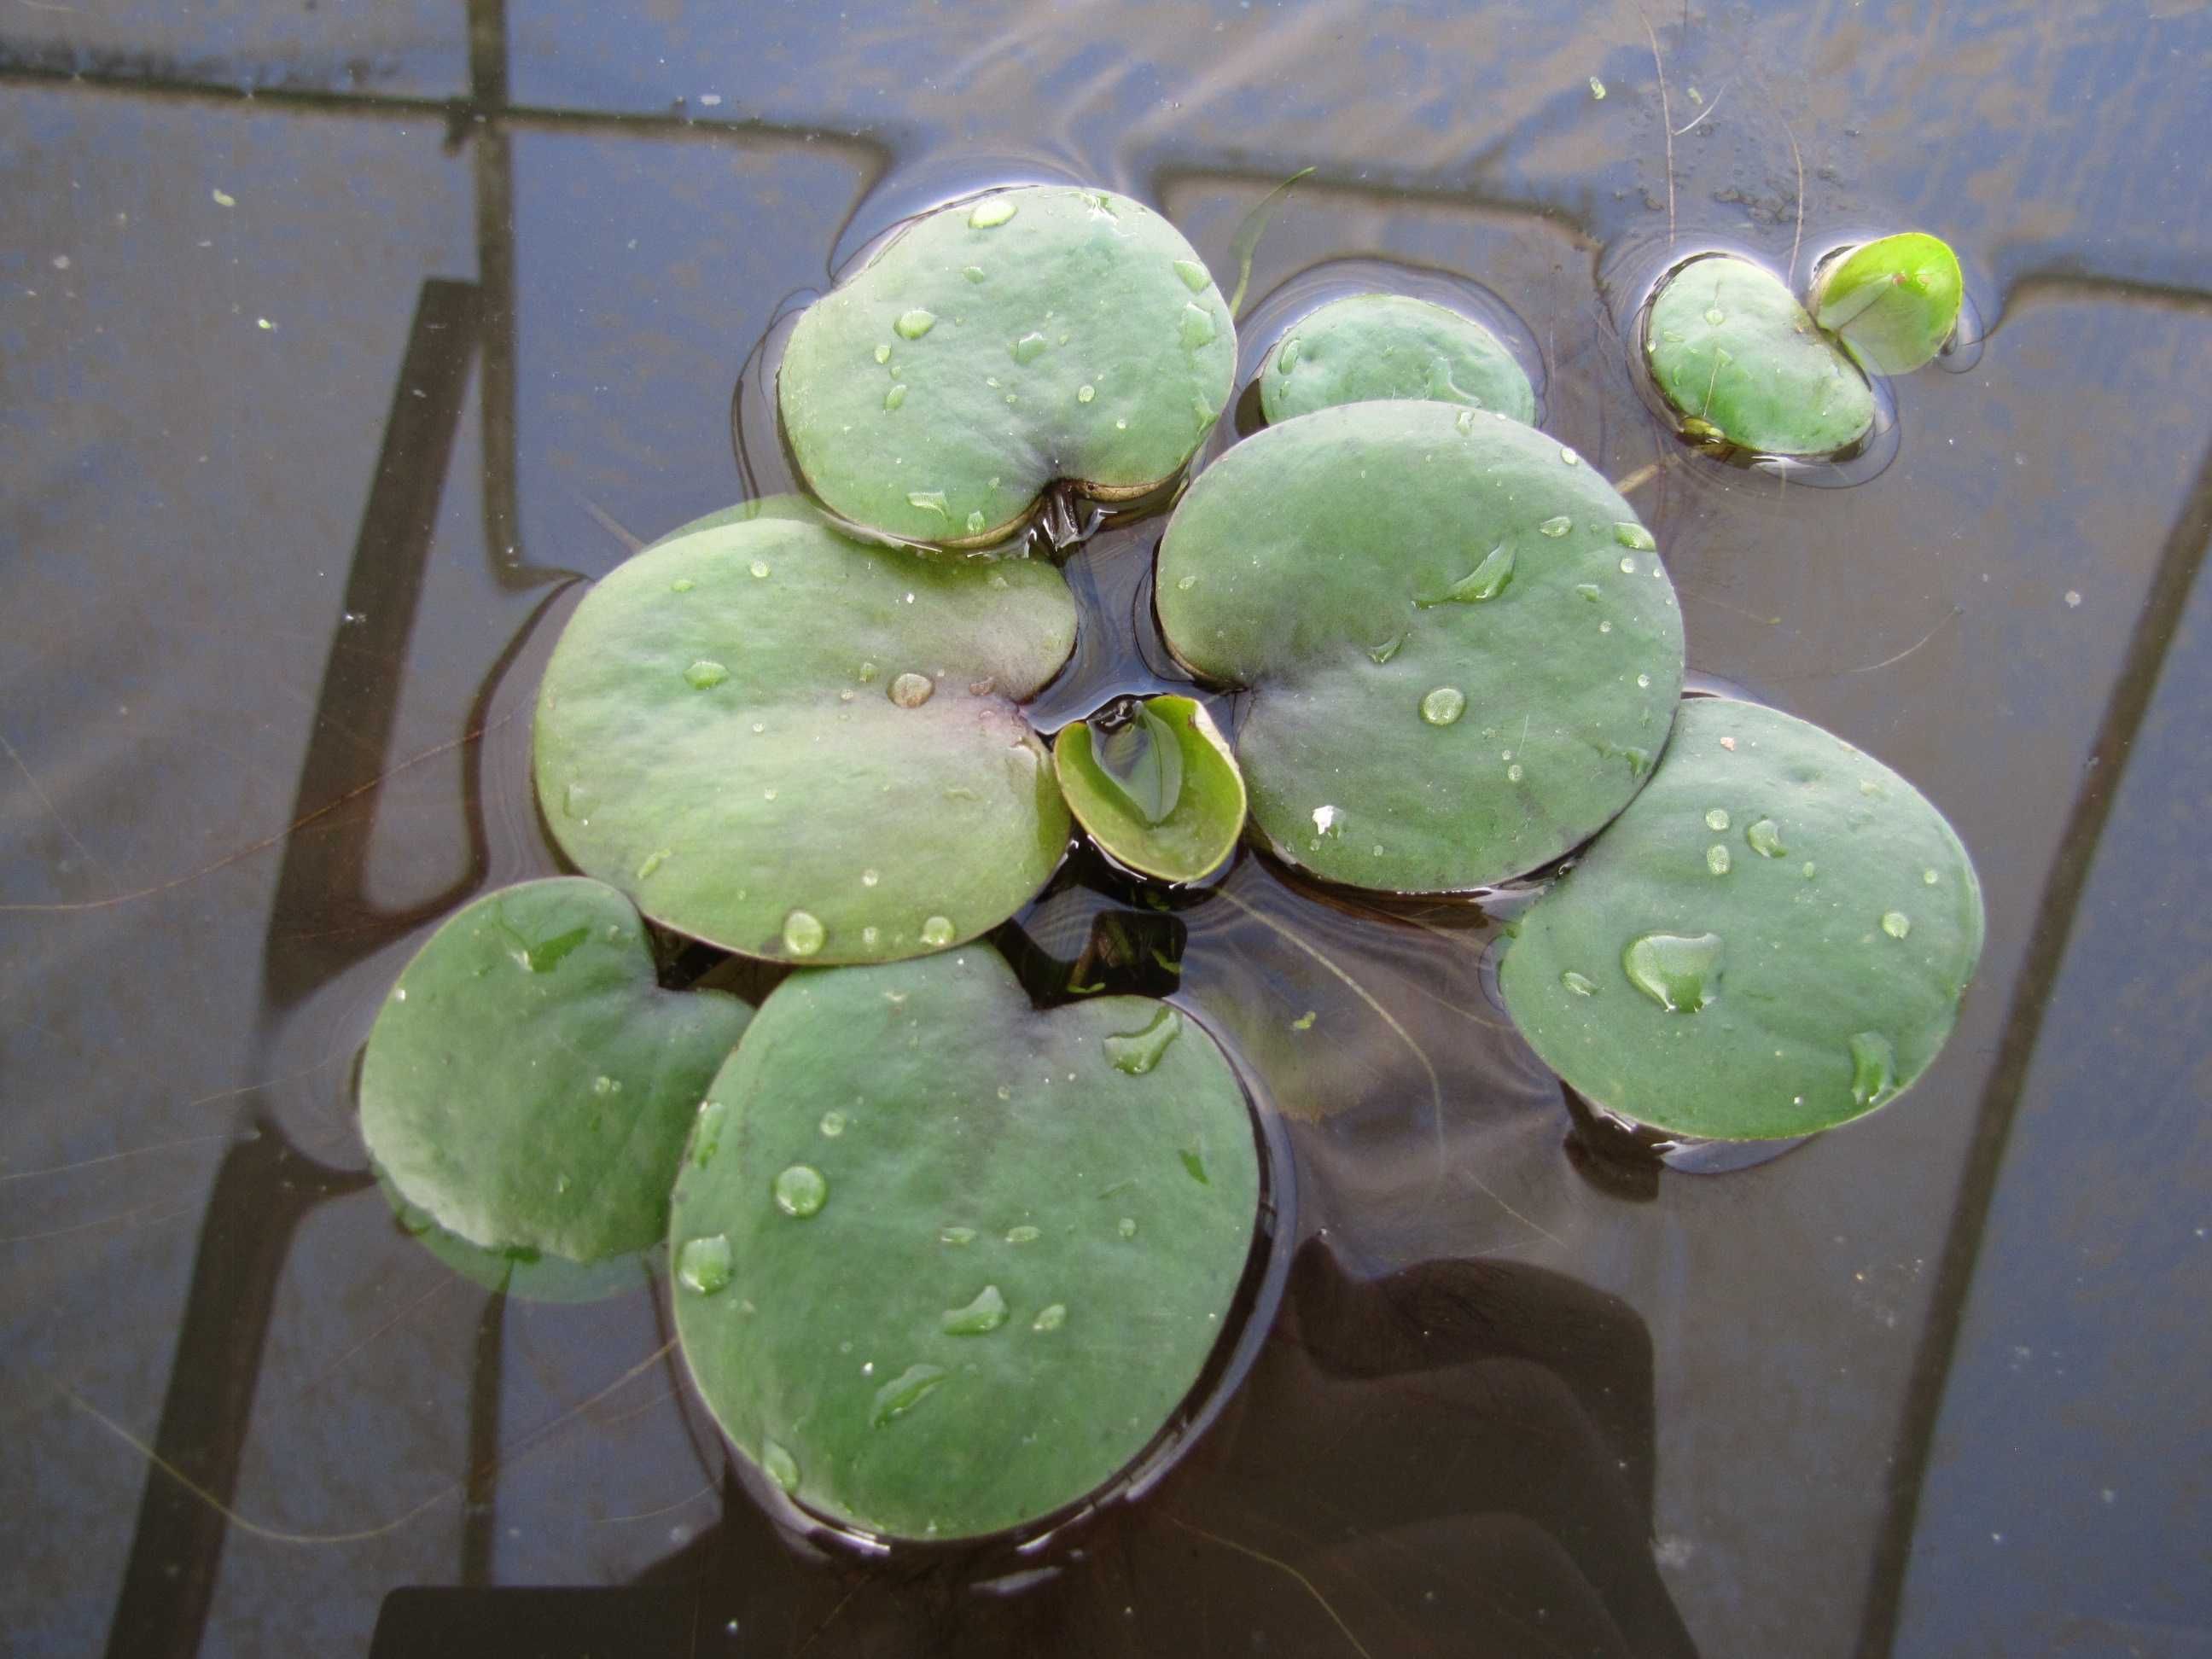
x,y
288,589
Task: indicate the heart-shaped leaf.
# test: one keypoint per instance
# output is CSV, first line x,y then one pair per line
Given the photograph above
x,y
1373,346
1894,302
1772,939
1738,358
1462,648
799,747
946,1264
998,345
1155,784
528,1085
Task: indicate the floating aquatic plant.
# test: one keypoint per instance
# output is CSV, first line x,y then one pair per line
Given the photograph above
x,y
1738,360
800,747
1461,647
527,1085
1772,939
1893,301
993,347
1371,346
946,1264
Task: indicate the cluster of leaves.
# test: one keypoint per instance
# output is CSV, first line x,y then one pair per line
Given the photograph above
x,y
945,1263
1743,363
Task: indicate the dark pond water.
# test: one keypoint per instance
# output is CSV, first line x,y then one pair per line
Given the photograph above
x,y
341,345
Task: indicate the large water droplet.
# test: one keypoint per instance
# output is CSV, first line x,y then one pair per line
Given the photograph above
x,y
1716,819
979,1318
1486,581
955,1235
1765,839
1388,649
993,211
1558,526
1581,984
938,932
1029,348
1679,972
651,862
705,674
1874,1068
1126,1226
896,396
1196,277
834,1123
706,1131
1629,533
804,933
929,501
779,1466
801,1191
1717,860
911,690
905,1391
703,1264
1137,1052
1896,923
913,324
1443,705
1197,326
1023,1234
1051,1318
1287,354
1084,394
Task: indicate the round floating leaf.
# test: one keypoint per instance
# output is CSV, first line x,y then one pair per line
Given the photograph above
x,y
799,747
994,347
1772,939
1463,649
1155,785
1737,356
1016,1240
1894,302
1374,346
527,1085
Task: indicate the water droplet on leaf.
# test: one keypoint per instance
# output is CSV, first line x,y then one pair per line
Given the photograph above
x,y
1679,972
1443,705
979,1318
801,1190
703,1264
1137,1052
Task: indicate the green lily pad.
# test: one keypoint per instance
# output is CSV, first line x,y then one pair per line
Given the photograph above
x,y
1772,938
946,1264
527,1085
1736,356
800,747
1374,346
998,345
1894,302
1156,785
1463,649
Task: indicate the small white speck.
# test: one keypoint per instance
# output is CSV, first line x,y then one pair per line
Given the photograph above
x,y
61,262
709,100
223,198
264,324
2072,599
